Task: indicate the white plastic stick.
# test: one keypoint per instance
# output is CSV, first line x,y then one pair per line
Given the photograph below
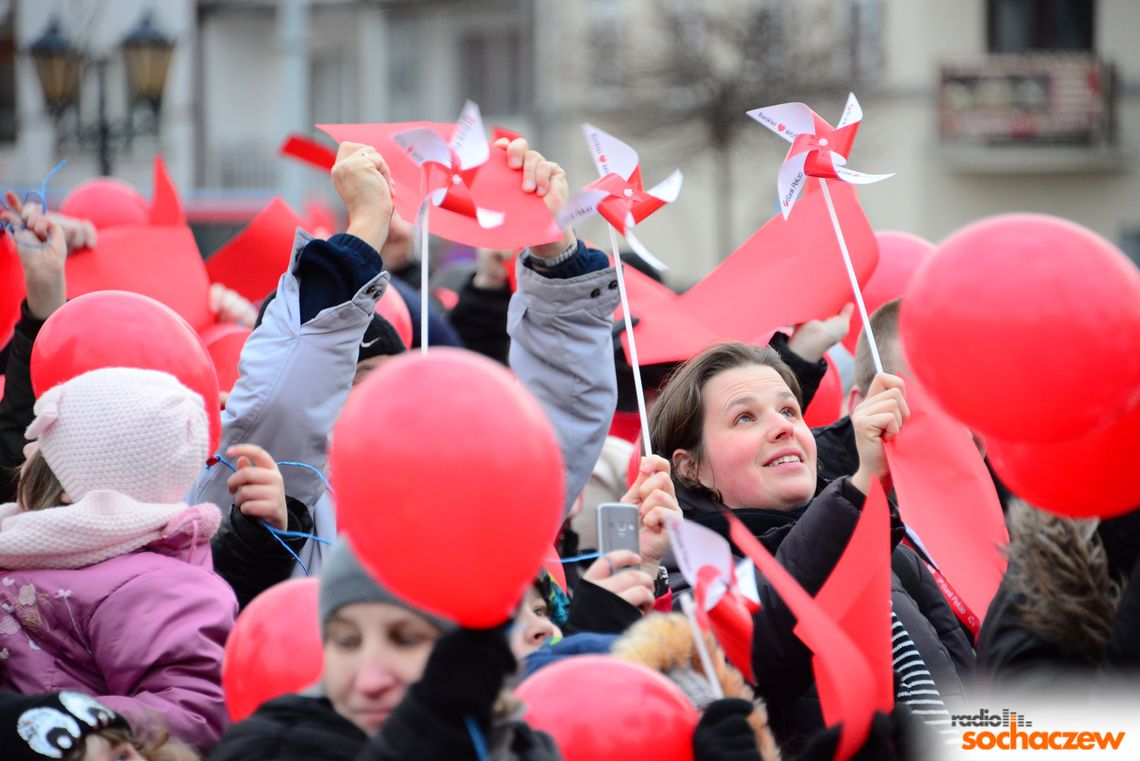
x,y
706,659
851,276
424,275
640,392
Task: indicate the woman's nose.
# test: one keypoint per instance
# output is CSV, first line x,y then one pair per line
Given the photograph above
x,y
373,678
781,427
540,631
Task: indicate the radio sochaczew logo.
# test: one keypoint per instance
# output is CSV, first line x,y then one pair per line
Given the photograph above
x,y
1010,730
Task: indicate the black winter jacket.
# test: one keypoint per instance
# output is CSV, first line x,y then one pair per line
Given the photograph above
x,y
291,728
250,558
16,408
808,542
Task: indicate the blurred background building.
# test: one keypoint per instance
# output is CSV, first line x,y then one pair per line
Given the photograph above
x,y
979,106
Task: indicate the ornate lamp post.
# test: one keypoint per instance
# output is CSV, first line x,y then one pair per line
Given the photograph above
x,y
60,65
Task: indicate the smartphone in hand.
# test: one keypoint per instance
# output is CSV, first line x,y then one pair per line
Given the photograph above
x,y
619,525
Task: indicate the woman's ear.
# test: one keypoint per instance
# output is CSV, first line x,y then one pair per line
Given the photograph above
x,y
684,465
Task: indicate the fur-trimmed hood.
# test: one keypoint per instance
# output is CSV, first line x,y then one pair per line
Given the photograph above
x,y
665,643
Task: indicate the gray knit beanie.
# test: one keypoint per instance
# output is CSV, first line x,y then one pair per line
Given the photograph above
x,y
345,582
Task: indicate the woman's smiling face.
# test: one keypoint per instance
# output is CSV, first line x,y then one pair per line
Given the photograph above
x,y
758,452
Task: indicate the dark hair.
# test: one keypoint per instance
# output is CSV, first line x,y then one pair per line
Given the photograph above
x,y
37,486
677,419
885,327
158,748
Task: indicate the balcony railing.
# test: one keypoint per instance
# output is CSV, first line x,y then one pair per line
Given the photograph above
x,y
1039,112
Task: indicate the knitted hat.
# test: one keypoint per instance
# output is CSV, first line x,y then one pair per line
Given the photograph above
x,y
137,432
345,582
35,727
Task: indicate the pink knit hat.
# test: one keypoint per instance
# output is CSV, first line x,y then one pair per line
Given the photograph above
x,y
137,432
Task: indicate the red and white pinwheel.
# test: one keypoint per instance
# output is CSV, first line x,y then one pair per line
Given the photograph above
x,y
818,149
619,196
725,592
450,167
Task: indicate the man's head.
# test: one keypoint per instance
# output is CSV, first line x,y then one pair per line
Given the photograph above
x,y
885,326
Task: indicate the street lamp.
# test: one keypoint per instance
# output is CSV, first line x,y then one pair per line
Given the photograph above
x,y
60,64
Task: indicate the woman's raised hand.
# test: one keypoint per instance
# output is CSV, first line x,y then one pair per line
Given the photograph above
x,y
656,501
877,419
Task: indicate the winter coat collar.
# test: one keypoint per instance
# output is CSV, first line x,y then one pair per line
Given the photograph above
x,y
103,525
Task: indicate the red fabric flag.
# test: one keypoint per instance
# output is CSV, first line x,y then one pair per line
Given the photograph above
x,y
252,261
843,677
946,496
165,206
308,150
161,262
857,594
790,271
493,185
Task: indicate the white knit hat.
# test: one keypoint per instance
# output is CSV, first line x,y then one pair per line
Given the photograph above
x,y
137,432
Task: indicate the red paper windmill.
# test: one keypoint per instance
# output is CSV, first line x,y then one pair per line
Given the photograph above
x,y
818,149
619,196
451,167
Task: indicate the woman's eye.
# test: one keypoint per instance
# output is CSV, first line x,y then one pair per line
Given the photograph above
x,y
408,639
346,642
541,612
791,412
743,417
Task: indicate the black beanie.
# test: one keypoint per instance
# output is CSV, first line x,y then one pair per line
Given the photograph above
x,y
380,339
35,727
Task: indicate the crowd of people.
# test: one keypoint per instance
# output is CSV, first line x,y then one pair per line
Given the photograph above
x,y
124,560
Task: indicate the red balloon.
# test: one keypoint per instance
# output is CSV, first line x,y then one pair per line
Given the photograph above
x,y
900,255
392,308
448,480
1022,324
1085,477
598,708
275,647
11,287
106,202
827,405
225,342
122,329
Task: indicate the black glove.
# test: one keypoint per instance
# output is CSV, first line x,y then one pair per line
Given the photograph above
x,y
724,734
890,739
465,673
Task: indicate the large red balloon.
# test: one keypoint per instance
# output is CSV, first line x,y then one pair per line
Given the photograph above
x,y
900,256
1021,325
107,202
11,287
122,329
225,342
392,308
598,708
275,647
448,480
827,405
1085,477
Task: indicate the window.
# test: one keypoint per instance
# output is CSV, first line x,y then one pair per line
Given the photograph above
x,y
496,70
1022,26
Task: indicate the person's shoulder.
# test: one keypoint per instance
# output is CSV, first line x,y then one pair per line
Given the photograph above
x,y
291,727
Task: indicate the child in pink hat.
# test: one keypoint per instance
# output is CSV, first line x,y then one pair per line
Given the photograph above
x,y
106,583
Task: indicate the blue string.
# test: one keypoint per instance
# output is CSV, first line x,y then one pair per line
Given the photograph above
x,y
43,185
476,737
277,533
317,471
579,558
42,200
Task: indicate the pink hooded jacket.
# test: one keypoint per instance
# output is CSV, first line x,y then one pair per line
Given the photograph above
x,y
143,631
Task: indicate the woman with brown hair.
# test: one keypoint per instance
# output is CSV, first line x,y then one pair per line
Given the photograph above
x,y
731,422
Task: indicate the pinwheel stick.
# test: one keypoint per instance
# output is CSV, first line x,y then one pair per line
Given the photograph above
x,y
702,650
851,275
640,392
422,224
